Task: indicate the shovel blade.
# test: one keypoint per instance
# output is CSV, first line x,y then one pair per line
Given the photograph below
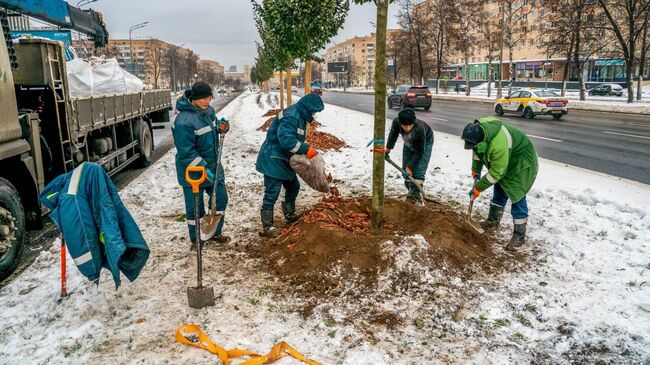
x,y
200,297
474,225
209,224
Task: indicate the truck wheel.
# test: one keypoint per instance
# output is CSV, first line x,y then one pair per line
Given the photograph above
x,y
12,228
145,143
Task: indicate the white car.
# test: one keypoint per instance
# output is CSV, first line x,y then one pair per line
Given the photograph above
x,y
532,102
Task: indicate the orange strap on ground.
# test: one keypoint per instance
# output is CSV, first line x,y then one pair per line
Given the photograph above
x,y
192,335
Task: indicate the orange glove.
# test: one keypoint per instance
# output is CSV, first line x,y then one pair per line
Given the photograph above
x,y
476,175
311,153
474,193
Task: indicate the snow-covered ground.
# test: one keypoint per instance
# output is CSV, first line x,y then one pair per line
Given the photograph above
x,y
584,294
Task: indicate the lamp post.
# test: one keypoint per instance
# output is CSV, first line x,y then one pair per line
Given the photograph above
x,y
131,29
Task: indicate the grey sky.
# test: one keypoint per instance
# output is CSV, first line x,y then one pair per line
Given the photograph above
x,y
222,30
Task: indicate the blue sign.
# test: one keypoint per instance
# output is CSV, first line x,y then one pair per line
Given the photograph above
x,y
56,35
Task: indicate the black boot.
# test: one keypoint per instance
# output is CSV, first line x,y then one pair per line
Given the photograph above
x,y
289,210
268,230
518,235
415,197
494,218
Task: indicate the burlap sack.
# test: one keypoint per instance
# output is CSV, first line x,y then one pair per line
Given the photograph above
x,y
311,171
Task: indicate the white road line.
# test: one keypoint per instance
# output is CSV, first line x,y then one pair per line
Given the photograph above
x,y
545,138
626,135
440,119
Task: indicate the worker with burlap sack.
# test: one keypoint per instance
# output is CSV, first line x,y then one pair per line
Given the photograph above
x,y
416,153
284,140
511,161
196,132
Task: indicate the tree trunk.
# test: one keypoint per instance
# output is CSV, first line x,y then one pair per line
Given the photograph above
x,y
289,87
513,70
489,77
501,42
281,92
642,62
629,67
567,67
467,89
380,118
307,77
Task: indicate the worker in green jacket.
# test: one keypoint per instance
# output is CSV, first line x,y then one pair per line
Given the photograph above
x,y
511,161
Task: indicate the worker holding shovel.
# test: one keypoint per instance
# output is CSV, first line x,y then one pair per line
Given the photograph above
x,y
512,168
416,153
197,133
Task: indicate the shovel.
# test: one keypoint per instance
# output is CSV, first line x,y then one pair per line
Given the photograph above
x,y
469,219
410,178
211,220
198,297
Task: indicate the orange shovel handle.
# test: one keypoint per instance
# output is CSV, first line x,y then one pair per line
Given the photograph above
x,y
195,182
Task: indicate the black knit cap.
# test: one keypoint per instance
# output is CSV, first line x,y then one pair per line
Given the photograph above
x,y
472,134
200,90
406,116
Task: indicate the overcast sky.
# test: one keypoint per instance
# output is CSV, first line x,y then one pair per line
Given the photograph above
x,y
221,30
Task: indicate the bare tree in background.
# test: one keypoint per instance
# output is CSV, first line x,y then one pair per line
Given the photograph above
x,y
560,40
628,20
414,19
395,53
464,35
489,33
514,11
155,57
439,23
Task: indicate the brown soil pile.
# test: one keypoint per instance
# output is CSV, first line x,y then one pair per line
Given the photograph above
x,y
322,141
331,247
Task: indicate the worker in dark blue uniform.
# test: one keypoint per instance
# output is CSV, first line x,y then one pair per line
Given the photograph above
x,y
285,138
196,136
416,153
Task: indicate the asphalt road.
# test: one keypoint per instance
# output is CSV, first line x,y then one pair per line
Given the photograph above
x,y
38,241
612,143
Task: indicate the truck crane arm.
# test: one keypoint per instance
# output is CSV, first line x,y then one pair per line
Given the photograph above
x,y
62,14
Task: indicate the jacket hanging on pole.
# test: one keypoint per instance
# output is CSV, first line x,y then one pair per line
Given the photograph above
x,y
98,229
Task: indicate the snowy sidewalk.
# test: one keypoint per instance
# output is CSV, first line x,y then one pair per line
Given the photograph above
x,y
583,296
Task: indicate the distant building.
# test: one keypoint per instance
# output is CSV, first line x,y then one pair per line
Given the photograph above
x,y
232,69
247,73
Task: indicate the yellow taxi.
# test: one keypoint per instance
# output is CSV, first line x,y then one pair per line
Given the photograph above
x,y
531,102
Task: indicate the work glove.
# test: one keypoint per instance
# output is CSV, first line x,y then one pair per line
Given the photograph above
x,y
407,173
311,153
224,126
476,175
387,154
474,193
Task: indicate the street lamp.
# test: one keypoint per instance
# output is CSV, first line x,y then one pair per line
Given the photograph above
x,y
85,2
134,27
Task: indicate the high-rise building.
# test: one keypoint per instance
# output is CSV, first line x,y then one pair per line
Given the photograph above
x,y
232,69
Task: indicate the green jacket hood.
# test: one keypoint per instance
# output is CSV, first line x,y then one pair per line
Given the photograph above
x,y
491,126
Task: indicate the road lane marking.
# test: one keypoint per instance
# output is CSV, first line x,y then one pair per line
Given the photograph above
x,y
626,135
545,138
440,119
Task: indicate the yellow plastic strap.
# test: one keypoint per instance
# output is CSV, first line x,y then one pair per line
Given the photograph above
x,y
192,335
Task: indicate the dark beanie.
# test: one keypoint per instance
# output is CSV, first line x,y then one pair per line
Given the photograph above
x,y
406,116
200,90
472,134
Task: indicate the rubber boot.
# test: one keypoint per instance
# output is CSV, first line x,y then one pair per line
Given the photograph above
x,y
494,218
518,237
289,210
268,230
220,239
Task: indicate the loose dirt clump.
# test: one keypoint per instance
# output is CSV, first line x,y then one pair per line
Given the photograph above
x,y
322,141
330,254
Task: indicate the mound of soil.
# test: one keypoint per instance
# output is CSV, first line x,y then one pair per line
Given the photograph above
x,y
322,141
331,249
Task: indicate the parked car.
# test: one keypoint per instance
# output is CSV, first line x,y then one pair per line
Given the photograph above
x,y
410,96
460,87
606,89
529,103
458,78
222,91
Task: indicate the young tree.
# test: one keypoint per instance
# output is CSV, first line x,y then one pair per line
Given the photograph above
x,y
512,12
489,40
440,21
628,21
645,48
380,114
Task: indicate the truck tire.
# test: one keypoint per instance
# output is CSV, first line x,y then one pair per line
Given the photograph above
x,y
145,143
12,228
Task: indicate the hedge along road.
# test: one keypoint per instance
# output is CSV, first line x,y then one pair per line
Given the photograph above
x,y
612,143
37,241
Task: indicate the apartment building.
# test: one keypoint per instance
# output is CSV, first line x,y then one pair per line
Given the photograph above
x,y
360,53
